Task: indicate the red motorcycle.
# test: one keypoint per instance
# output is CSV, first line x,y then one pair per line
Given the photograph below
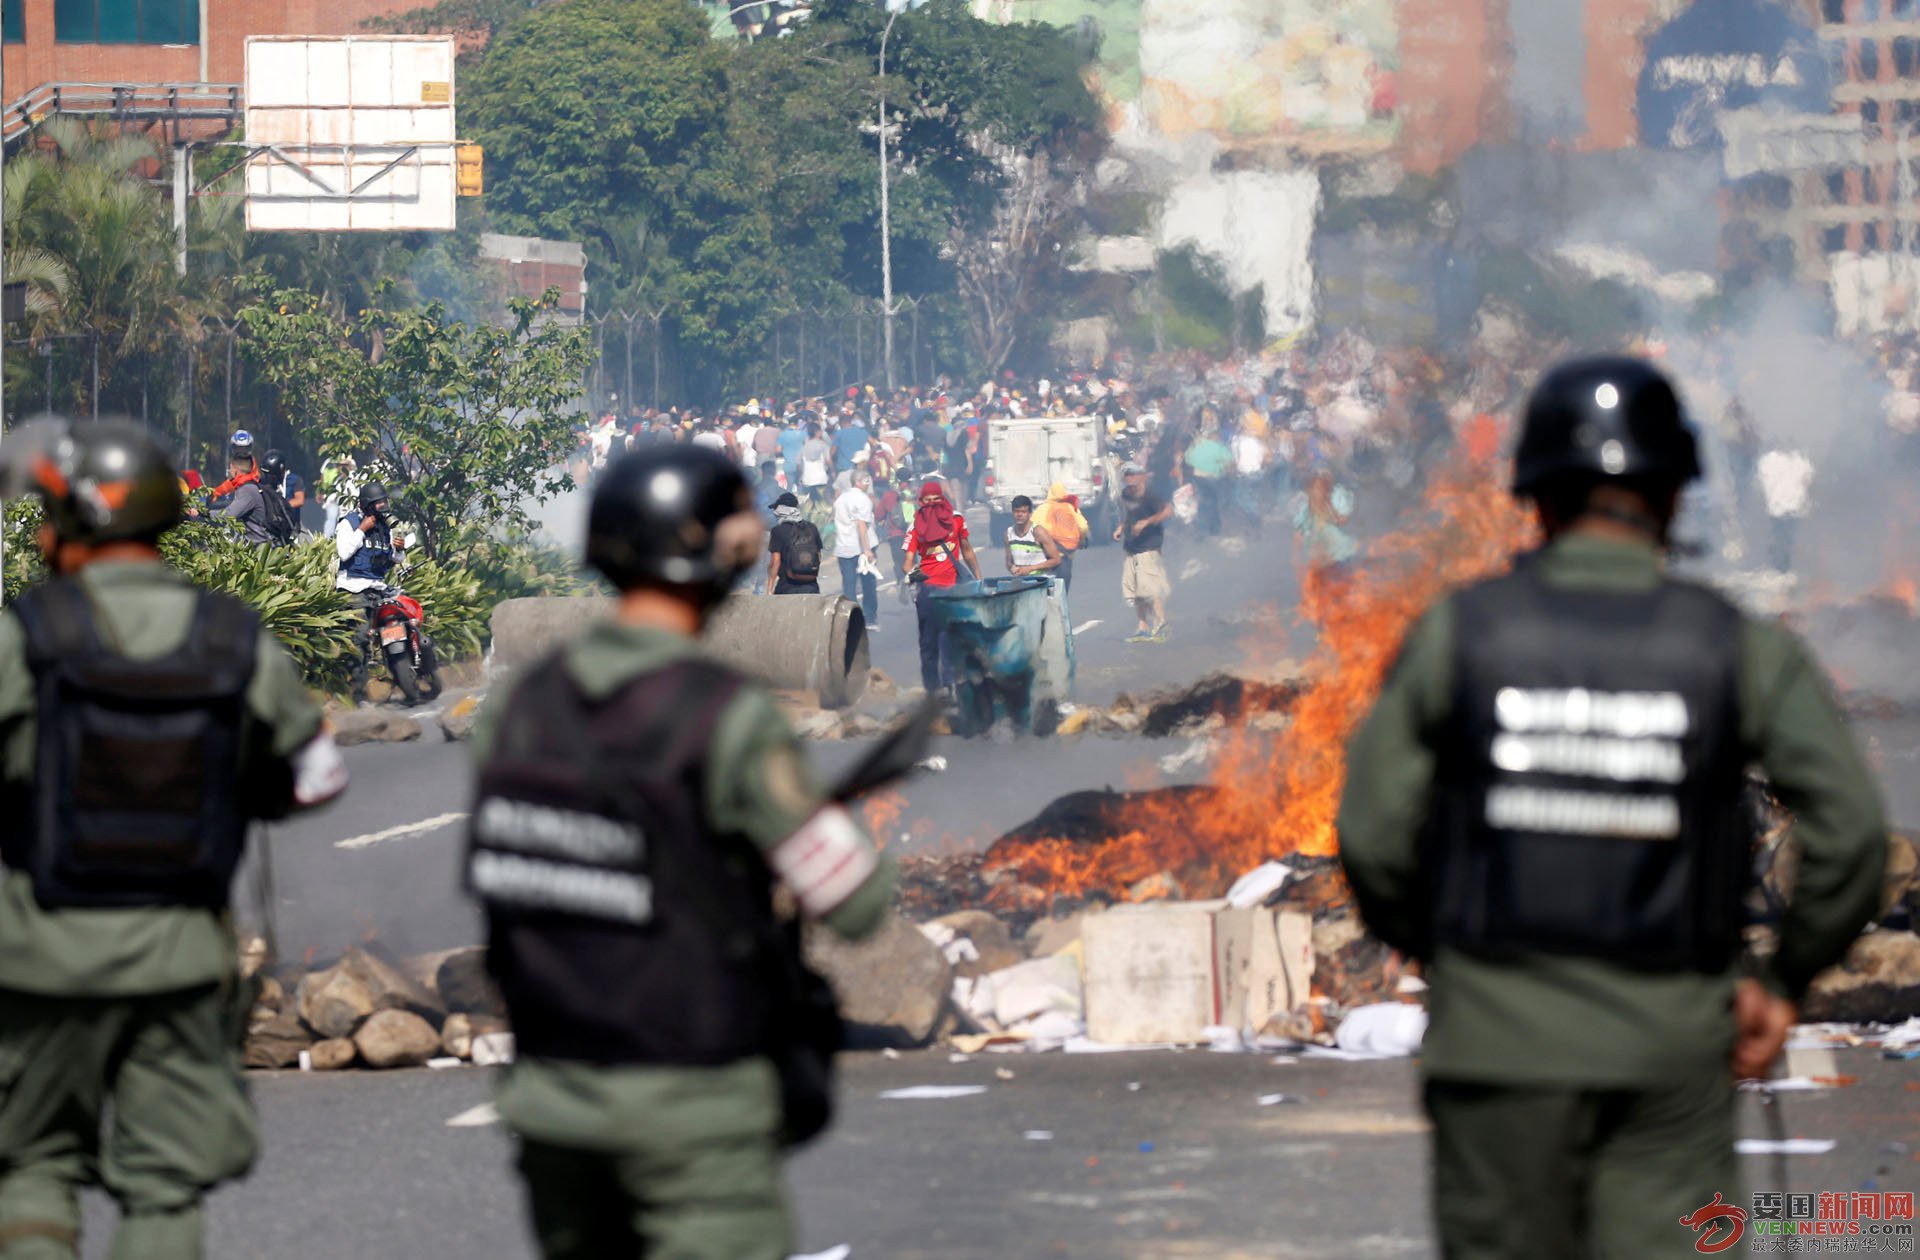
x,y
407,648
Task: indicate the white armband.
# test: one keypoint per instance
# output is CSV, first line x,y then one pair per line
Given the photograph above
x,y
319,774
825,862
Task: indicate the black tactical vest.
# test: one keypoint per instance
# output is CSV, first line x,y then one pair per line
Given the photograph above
x,y
1588,795
137,799
603,884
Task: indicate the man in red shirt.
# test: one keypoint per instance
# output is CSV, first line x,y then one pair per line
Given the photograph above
x,y
934,549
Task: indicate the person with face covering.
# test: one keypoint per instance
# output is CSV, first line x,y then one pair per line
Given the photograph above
x,y
936,547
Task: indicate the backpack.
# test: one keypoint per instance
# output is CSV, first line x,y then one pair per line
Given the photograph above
x,y
137,797
802,561
281,527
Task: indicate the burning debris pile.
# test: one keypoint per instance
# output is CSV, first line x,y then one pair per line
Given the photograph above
x,y
1277,783
1275,793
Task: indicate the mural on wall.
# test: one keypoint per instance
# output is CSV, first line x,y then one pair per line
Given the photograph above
x,y
1244,71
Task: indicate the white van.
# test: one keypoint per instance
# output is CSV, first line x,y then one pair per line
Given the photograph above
x,y
1027,455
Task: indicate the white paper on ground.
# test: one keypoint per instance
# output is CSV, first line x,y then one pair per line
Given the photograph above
x,y
1792,1146
1902,1036
1038,986
445,1061
1258,884
493,1049
917,1092
1081,1045
1274,1100
957,948
832,1253
1784,1085
474,1117
1224,1040
1052,1031
1385,1030
1340,1056
1038,1135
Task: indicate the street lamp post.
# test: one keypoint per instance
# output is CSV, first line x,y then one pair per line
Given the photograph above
x,y
886,222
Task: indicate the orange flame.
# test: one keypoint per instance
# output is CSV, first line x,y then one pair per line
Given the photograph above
x,y
882,811
1272,796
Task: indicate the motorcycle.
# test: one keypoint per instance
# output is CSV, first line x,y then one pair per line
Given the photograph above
x,y
407,648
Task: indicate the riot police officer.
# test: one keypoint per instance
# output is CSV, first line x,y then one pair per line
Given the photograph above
x,y
1543,807
143,724
637,804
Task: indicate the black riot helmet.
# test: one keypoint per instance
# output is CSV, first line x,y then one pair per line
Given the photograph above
x,y
273,466
656,517
101,481
373,499
1609,417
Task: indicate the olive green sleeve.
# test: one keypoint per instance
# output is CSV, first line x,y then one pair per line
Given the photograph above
x,y
1795,729
280,701
760,786
1390,773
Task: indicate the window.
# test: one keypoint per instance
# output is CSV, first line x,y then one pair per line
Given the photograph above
x,y
1869,58
1903,57
126,21
1870,112
1834,239
1837,188
1834,10
13,19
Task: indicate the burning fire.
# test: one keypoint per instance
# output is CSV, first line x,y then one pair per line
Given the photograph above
x,y
1273,796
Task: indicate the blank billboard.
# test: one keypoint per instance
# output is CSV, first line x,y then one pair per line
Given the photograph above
x,y
350,133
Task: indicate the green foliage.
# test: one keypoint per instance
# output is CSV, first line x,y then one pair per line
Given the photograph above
x,y
290,587
457,609
95,242
729,183
517,570
24,567
464,422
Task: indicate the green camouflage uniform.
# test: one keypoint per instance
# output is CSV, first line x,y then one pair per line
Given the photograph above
x,y
684,1159
137,1009
1573,1098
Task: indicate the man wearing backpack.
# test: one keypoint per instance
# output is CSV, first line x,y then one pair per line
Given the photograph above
x,y
249,503
636,808
278,489
145,724
794,548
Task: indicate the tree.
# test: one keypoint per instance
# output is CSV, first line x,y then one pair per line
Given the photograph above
x,y
467,422
99,241
996,128
1001,263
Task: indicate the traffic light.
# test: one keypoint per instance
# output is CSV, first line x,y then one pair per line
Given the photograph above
x,y
467,162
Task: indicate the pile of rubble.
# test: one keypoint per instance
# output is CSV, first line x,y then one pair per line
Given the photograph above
x,y
368,1010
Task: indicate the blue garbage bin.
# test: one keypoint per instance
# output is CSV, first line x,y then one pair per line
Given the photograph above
x,y
1007,646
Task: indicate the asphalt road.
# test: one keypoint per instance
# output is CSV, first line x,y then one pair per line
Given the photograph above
x,y
1151,1156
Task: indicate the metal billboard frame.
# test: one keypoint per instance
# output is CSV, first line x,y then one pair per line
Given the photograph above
x,y
350,133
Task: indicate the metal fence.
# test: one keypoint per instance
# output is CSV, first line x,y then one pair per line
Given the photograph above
x,y
809,351
198,389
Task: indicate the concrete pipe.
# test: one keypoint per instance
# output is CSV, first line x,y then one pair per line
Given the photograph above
x,y
814,643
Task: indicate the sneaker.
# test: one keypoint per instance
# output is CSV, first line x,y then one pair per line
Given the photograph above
x,y
1159,634
1140,636
872,629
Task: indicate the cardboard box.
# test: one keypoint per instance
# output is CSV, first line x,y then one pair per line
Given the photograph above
x,y
1167,971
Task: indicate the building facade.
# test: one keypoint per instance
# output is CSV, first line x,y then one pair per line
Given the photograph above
x,y
126,42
